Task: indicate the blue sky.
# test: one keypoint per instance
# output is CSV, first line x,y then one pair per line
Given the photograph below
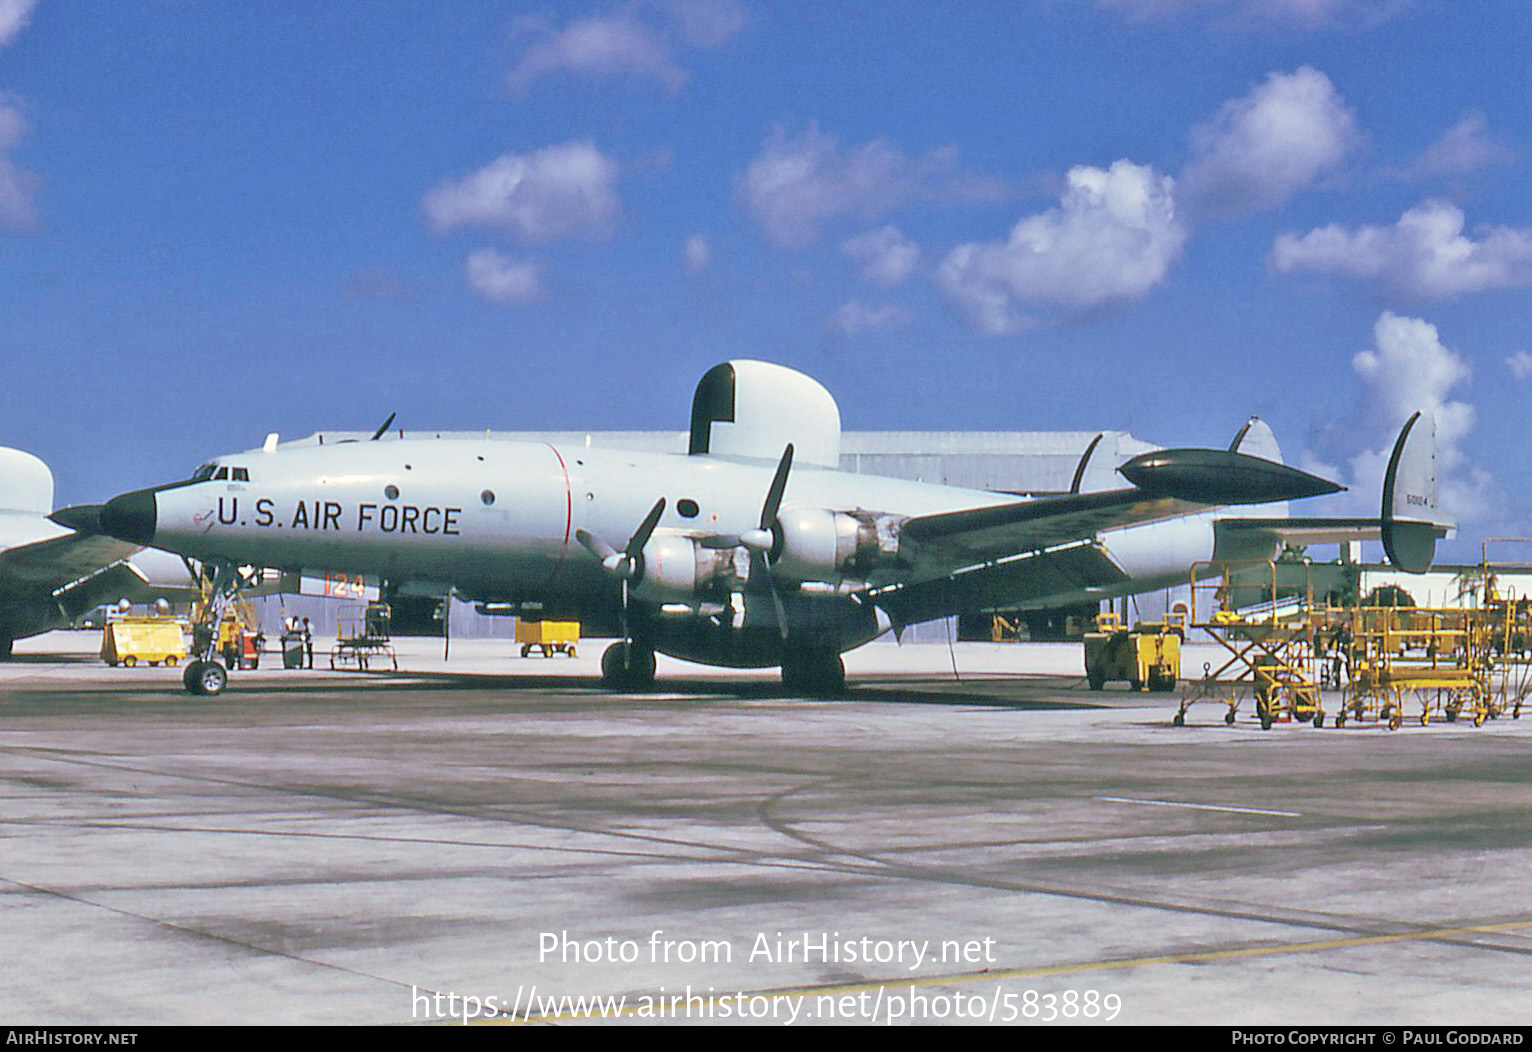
x,y
219,220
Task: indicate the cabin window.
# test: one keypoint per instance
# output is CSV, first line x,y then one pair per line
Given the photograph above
x,y
687,507
391,491
488,497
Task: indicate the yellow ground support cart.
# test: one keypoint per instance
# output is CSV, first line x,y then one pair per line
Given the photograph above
x,y
1148,657
548,637
153,640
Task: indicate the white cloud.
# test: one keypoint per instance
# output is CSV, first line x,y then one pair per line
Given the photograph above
x,y
1465,148
856,317
1408,368
14,16
697,253
886,255
1113,238
12,125
798,184
556,192
707,23
1520,365
500,279
625,43
18,187
1264,147
1423,256
1308,13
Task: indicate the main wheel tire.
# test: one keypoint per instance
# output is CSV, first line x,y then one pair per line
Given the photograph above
x,y
818,672
627,667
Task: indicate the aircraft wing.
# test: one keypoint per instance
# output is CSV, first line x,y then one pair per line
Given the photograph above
x,y
57,564
1010,554
1032,525
1013,582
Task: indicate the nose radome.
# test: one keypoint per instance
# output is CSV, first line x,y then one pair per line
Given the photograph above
x,y
130,517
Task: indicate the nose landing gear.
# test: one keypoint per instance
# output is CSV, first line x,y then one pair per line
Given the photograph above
x,y
204,674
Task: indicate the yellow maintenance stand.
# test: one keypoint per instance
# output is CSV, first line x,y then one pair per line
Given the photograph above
x,y
1438,658
1147,657
1271,654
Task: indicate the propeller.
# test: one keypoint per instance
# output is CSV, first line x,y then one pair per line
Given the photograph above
x,y
628,564
761,540
379,432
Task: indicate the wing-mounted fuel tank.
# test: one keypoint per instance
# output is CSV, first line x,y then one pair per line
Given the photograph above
x,y
753,410
1411,522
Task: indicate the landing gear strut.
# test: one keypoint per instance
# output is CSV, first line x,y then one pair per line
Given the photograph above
x,y
205,674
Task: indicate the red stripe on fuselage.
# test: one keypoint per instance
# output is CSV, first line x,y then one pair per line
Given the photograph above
x,y
568,513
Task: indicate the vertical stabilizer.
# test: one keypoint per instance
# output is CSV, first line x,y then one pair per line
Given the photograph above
x,y
1256,439
1095,473
1411,520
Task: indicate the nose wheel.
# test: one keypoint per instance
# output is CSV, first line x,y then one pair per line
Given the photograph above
x,y
205,677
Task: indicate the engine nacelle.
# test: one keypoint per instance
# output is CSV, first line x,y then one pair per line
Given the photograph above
x,y
815,544
678,569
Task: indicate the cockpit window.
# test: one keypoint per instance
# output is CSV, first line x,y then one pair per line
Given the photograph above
x,y
203,473
221,474
241,474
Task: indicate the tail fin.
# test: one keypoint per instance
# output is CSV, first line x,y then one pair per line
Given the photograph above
x,y
1410,519
1256,439
1095,472
26,484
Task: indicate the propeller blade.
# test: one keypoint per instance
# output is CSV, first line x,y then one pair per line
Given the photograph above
x,y
597,548
778,487
379,432
641,535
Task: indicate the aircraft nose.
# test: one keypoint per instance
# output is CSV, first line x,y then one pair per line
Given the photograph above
x,y
130,517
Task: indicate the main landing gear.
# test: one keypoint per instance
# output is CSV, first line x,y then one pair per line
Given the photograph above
x,y
628,666
816,671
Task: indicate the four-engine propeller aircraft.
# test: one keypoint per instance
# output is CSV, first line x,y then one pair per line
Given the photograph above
x,y
753,550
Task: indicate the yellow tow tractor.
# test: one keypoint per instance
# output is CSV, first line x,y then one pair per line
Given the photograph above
x,y
153,640
1147,657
